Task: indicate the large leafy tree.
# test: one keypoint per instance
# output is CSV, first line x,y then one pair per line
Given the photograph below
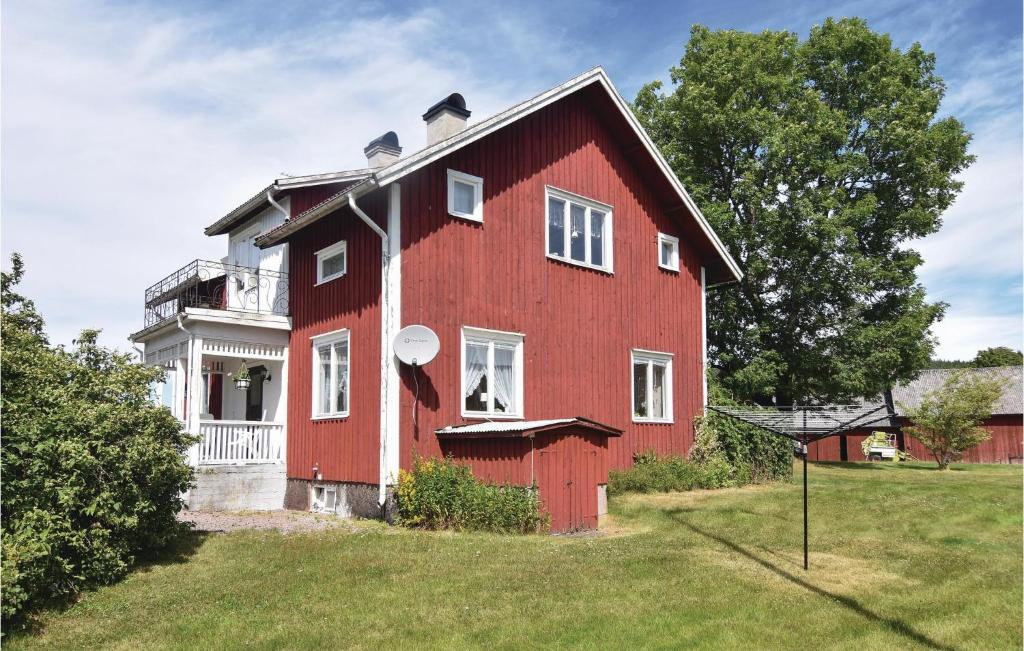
x,y
998,356
816,161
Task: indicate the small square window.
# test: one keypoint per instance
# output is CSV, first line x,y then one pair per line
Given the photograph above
x,y
331,262
668,252
465,196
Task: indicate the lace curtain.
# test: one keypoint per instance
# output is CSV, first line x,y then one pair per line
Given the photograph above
x,y
504,379
476,367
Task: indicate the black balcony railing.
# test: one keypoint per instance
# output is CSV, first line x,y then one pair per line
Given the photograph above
x,y
217,286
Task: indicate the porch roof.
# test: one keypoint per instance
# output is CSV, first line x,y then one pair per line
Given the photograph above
x,y
523,428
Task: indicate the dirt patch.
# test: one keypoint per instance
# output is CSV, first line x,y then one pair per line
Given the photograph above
x,y
283,521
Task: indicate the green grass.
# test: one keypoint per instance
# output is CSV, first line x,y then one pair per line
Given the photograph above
x,y
901,557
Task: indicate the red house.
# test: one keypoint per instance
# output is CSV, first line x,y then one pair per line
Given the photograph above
x,y
563,268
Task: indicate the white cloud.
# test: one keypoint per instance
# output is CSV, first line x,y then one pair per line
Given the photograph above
x,y
127,130
961,337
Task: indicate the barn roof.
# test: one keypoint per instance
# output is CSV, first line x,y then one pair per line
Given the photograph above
x,y
523,428
723,270
911,393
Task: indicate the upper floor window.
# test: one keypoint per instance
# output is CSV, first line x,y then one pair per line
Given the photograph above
x,y
579,230
465,196
668,252
330,374
652,387
492,373
331,262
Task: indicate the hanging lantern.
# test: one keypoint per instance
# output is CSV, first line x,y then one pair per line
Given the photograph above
x,y
242,379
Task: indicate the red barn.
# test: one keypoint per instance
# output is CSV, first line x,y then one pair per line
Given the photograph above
x,y
1006,425
561,264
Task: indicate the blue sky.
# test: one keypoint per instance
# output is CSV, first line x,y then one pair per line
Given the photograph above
x,y
128,127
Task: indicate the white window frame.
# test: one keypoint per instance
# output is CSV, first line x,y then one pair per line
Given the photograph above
x,y
327,252
328,339
478,195
651,358
492,337
664,238
590,204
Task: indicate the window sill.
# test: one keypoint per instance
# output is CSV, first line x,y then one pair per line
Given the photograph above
x,y
674,270
329,279
479,415
653,421
330,417
577,263
467,217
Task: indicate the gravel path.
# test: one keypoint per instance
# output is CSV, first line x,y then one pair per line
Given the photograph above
x,y
283,521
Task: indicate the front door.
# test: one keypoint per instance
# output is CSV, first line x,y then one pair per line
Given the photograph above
x,y
254,394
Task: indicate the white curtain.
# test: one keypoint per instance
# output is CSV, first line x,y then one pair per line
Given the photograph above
x,y
504,379
475,367
325,379
658,391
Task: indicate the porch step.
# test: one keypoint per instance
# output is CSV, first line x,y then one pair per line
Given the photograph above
x,y
256,487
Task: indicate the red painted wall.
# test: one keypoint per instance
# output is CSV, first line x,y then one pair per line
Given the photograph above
x,y
579,324
344,449
1007,441
567,466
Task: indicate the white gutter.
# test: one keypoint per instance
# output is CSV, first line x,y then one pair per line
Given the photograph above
x,y
385,261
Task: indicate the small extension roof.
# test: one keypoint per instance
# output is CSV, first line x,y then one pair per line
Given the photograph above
x,y
725,270
522,428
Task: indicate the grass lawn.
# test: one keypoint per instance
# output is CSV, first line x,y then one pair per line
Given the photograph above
x,y
901,557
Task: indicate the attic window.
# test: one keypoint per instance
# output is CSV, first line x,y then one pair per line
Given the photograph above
x,y
465,196
668,252
578,230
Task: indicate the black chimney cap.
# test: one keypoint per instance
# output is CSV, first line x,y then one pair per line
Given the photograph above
x,y
455,103
388,141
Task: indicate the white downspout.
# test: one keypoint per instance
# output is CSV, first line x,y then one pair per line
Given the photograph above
x,y
270,200
385,261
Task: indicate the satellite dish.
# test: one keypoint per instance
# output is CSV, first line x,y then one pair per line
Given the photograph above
x,y
416,345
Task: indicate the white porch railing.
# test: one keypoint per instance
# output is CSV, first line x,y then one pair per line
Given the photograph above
x,y
240,442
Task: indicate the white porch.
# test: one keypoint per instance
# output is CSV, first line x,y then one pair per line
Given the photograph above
x,y
203,358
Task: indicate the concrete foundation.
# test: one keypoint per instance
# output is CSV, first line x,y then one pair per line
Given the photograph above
x,y
353,499
238,488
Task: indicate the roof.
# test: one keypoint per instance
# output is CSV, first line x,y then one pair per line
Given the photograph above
x,y
595,77
1011,401
258,202
523,428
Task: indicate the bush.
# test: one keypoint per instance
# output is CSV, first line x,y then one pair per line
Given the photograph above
x,y
653,474
755,454
442,494
92,470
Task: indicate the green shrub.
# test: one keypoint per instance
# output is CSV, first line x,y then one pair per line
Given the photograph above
x,y
756,455
442,494
92,470
653,474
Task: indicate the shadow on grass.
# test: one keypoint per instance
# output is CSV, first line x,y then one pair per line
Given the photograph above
x,y
893,624
178,551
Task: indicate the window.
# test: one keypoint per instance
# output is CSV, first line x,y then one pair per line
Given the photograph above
x,y
465,196
331,262
492,373
330,375
668,252
325,498
578,230
652,387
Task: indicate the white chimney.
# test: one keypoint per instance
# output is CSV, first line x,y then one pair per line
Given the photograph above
x,y
382,151
446,118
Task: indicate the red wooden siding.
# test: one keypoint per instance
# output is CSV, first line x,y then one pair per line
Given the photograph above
x,y
579,324
344,449
1007,441
567,465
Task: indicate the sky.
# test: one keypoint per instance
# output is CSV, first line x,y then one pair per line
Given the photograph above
x,y
126,128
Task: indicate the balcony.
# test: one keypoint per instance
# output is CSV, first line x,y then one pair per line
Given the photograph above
x,y
214,285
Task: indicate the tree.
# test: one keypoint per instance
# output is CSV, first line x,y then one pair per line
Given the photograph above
x,y
92,470
947,420
998,356
816,162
